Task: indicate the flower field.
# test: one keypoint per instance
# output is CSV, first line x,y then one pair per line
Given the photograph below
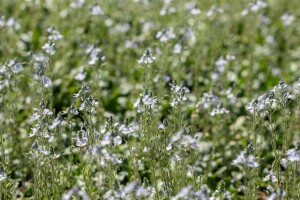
x,y
147,99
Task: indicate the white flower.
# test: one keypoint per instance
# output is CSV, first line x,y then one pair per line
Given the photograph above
x,y
257,5
293,155
169,147
200,195
214,9
81,142
18,67
230,96
284,162
43,151
80,76
142,192
221,63
126,130
262,102
34,117
77,4
34,130
176,137
75,192
138,104
265,20
116,160
278,194
254,104
195,11
177,48
94,54
147,58
254,7
55,123
165,35
96,10
117,140
176,157
49,48
208,100
161,127
47,81
106,139
138,163
167,9
145,101
54,34
271,176
287,19
245,159
47,112
2,177
148,100
218,111
83,105
184,192
130,187
269,99
120,194
10,63
11,22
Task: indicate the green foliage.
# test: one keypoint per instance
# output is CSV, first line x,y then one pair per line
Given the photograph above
x,y
141,99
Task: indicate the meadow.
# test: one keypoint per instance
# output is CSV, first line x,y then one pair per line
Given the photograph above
x,y
149,99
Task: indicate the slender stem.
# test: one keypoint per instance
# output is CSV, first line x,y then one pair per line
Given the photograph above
x,y
254,131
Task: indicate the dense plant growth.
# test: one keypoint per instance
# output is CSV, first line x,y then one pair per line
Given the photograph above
x,y
142,99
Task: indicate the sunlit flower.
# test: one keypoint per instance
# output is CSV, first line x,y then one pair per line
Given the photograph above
x,y
142,192
244,159
2,177
96,10
34,117
54,34
77,3
166,35
214,9
75,192
219,111
287,19
18,67
184,192
271,176
80,76
293,155
47,81
147,58
49,48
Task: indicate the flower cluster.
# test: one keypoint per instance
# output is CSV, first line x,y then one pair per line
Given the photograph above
x,y
145,101
254,7
178,94
166,35
245,159
279,94
147,58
